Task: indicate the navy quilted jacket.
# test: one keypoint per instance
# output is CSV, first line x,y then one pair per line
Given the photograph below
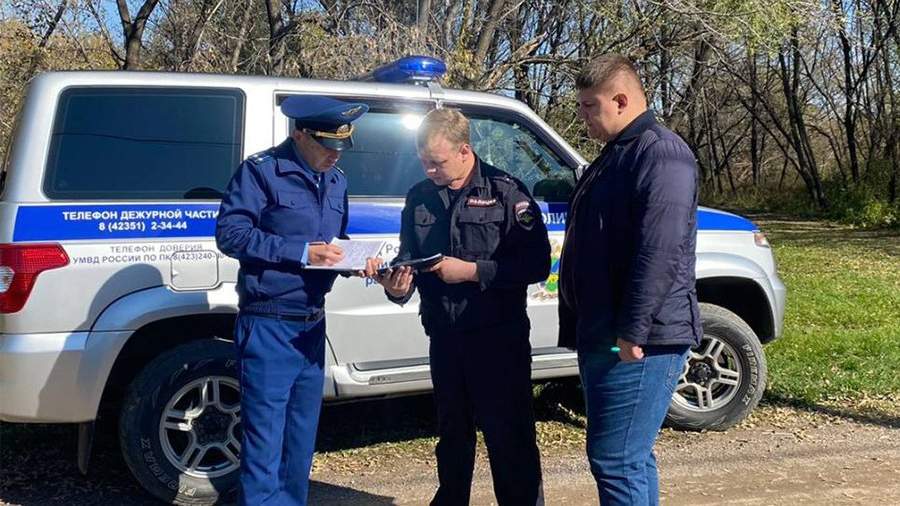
x,y
627,265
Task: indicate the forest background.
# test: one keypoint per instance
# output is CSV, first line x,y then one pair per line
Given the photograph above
x,y
791,106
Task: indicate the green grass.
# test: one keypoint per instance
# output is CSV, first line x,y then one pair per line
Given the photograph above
x,y
840,352
841,344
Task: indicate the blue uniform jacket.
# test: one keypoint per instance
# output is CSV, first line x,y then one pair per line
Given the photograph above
x,y
270,210
627,265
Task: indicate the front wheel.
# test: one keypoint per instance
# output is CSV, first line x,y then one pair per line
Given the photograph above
x,y
723,378
180,427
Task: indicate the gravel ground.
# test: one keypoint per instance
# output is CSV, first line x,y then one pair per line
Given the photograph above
x,y
781,455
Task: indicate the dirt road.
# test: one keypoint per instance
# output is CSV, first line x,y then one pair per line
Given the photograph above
x,y
787,457
781,456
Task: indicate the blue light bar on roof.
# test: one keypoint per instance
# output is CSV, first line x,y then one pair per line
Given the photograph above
x,y
412,69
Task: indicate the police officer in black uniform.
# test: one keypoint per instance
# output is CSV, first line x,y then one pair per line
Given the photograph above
x,y
278,214
473,303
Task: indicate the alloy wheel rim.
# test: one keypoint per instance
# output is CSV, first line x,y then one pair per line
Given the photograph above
x,y
711,377
199,429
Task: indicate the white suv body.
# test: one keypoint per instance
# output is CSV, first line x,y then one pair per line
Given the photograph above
x,y
112,185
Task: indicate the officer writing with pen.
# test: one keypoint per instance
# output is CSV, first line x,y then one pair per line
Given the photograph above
x,y
278,213
473,303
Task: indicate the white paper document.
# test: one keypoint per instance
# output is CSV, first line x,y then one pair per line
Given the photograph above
x,y
355,255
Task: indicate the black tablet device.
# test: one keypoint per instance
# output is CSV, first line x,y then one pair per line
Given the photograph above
x,y
417,264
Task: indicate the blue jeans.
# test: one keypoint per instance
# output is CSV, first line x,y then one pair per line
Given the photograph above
x,y
626,405
281,365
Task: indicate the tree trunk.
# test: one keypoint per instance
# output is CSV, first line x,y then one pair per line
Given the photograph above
x,y
199,29
486,37
754,123
133,31
424,11
798,135
467,23
38,56
849,119
277,33
665,62
242,36
449,23
702,52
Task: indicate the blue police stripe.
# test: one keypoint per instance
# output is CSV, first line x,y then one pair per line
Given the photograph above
x,y
710,220
377,218
131,221
126,221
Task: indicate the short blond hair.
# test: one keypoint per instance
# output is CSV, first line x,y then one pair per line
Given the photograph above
x,y
447,123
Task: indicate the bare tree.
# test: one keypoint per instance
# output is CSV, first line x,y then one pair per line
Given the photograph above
x,y
768,92
133,31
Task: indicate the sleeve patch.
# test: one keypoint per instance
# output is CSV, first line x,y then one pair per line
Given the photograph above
x,y
524,214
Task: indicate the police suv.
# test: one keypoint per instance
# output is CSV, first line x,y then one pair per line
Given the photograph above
x,y
114,298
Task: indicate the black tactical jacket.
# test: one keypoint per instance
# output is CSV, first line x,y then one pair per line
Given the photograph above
x,y
494,222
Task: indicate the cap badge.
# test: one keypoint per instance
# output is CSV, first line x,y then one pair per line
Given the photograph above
x,y
351,111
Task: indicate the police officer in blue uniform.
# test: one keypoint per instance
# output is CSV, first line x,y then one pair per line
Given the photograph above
x,y
279,212
473,308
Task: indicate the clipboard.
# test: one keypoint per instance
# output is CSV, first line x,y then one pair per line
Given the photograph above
x,y
355,255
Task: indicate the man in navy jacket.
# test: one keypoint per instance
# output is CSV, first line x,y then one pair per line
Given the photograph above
x,y
628,302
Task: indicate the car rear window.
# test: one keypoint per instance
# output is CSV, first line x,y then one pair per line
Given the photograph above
x,y
144,143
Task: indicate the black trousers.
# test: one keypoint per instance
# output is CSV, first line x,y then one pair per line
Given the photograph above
x,y
482,379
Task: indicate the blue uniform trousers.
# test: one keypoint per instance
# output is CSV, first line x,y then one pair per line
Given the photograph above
x,y
626,404
281,367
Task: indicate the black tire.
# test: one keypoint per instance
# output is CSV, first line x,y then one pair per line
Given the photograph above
x,y
718,407
148,450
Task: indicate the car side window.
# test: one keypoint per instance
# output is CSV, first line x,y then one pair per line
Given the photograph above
x,y
144,143
510,145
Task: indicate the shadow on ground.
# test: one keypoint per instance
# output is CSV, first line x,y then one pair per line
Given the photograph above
x,y
325,493
37,467
359,424
868,416
37,461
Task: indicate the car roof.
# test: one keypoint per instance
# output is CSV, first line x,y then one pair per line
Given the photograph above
x,y
61,79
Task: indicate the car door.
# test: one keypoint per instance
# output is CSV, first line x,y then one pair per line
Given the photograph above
x,y
380,347
516,145
367,332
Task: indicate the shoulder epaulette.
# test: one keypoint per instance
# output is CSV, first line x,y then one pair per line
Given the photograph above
x,y
503,176
261,157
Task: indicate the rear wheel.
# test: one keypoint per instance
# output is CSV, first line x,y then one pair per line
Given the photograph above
x,y
180,428
724,377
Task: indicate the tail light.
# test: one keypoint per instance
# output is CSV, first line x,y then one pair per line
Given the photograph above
x,y
20,265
